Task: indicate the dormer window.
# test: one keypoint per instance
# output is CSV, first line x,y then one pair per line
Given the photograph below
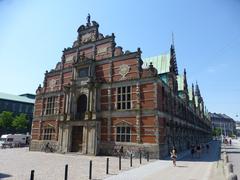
x,y
83,72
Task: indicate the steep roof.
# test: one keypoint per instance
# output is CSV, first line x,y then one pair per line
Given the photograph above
x,y
219,115
12,97
225,116
161,63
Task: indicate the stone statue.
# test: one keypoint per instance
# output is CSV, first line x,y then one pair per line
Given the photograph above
x,y
88,19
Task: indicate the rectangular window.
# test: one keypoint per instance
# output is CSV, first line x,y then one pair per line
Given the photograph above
x,y
123,134
48,133
50,108
83,72
124,97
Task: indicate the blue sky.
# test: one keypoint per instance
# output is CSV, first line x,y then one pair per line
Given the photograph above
x,y
206,34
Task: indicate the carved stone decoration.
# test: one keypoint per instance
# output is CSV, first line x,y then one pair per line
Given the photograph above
x,y
124,70
88,37
52,83
102,50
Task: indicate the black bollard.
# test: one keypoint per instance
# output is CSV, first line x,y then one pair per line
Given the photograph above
x,y
120,162
90,169
107,166
32,175
66,172
147,156
140,157
131,160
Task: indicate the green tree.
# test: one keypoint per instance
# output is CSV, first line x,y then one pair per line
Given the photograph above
x,y
6,119
20,123
216,132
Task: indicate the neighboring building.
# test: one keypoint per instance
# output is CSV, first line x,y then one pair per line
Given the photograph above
x,y
18,104
99,98
30,96
224,122
238,128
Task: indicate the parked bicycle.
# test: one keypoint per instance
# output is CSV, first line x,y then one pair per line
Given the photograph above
x,y
47,148
118,151
128,153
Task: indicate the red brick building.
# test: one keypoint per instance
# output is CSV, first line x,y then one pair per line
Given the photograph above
x,y
99,98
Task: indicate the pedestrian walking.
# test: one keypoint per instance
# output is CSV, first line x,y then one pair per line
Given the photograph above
x,y
198,150
192,150
226,141
230,142
207,147
174,156
202,148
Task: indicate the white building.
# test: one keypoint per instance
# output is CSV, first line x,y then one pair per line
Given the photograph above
x,y
224,122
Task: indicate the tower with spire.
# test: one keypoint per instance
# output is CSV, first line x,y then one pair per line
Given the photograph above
x,y
172,77
183,86
200,102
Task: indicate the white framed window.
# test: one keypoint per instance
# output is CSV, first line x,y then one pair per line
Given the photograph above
x,y
123,134
48,133
124,97
50,106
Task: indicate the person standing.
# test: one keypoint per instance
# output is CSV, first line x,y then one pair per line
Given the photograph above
x,y
121,151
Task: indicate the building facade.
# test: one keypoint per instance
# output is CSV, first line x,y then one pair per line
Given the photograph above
x,y
99,98
223,122
238,128
18,104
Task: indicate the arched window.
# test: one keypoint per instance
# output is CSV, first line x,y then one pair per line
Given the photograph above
x,y
81,105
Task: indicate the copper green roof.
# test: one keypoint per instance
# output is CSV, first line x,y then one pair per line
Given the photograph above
x,y
180,81
161,63
11,97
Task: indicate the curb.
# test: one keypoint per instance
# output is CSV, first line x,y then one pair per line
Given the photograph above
x,y
228,167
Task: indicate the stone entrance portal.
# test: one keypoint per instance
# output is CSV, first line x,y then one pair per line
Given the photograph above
x,y
77,139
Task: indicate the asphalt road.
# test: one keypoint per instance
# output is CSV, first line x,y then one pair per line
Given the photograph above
x,y
187,168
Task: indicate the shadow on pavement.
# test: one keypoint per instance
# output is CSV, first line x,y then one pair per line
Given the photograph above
x,y
182,166
232,148
2,175
212,155
233,152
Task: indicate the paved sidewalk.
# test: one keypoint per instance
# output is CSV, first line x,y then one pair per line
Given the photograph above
x,y
233,152
16,164
206,167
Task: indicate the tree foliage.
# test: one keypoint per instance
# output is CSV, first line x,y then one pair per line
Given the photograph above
x,y
12,124
20,123
6,119
216,132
